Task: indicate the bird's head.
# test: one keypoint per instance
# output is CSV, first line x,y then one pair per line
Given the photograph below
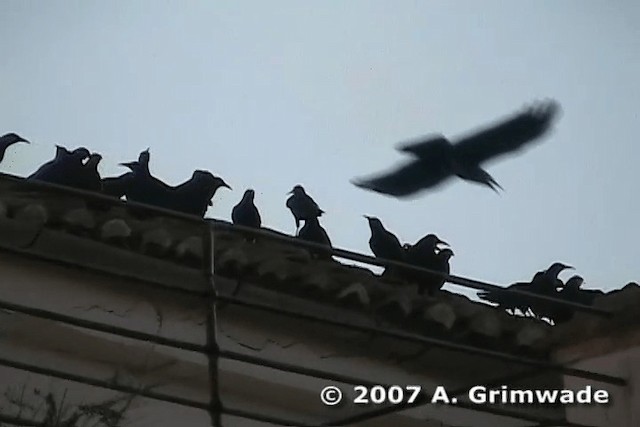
x,y
249,194
373,221
433,241
298,189
94,159
13,138
574,282
80,153
144,156
209,180
446,254
557,267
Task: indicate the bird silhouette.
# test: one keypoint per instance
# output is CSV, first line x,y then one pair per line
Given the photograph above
x,y
313,232
571,291
139,185
88,176
66,168
543,282
426,254
435,158
424,249
119,185
385,244
246,213
431,283
192,196
7,141
302,206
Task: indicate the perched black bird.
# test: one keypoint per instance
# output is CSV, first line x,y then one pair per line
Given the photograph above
x,y
384,244
88,175
441,264
302,206
436,159
312,231
543,283
192,196
118,186
426,254
7,141
424,250
571,292
246,213
65,168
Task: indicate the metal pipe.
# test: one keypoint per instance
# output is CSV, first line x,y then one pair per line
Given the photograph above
x,y
213,349
342,253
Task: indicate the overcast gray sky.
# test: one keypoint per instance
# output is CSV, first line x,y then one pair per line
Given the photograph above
x,y
272,94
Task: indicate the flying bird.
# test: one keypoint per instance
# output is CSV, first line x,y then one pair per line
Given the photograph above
x,y
435,159
7,141
65,168
302,206
246,213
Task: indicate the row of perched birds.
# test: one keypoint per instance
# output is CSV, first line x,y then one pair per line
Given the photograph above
x,y
435,159
545,283
78,168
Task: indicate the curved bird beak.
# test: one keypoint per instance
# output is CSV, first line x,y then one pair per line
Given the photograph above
x,y
366,216
127,164
24,140
224,184
442,242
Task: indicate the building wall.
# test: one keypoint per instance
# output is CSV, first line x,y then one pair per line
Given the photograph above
x,y
129,303
615,356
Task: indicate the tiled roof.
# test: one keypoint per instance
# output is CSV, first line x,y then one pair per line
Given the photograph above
x,y
117,238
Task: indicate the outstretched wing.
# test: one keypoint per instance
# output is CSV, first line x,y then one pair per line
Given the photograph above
x,y
509,135
405,180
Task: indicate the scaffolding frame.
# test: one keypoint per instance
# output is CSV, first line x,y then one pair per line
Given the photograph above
x,y
213,352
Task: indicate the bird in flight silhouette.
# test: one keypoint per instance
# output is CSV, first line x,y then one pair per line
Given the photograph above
x,y
435,158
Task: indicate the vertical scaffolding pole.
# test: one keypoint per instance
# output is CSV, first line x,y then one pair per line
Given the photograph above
x,y
213,350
